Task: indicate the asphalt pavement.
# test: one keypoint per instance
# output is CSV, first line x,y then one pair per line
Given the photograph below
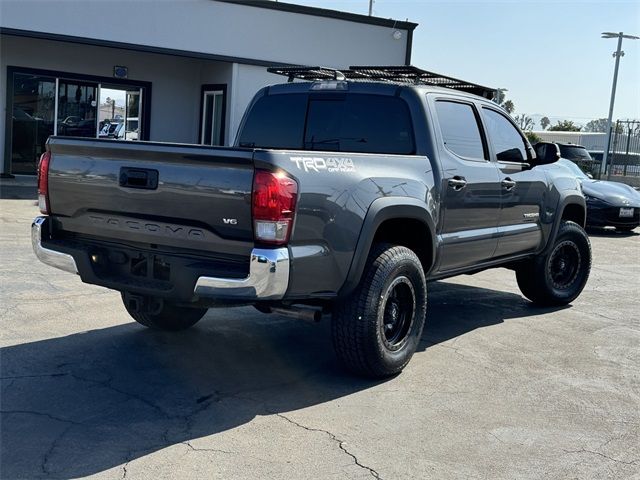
x,y
498,389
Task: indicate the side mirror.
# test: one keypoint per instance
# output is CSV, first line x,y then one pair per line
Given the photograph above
x,y
589,175
546,153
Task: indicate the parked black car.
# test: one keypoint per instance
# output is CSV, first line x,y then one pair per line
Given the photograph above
x,y
608,203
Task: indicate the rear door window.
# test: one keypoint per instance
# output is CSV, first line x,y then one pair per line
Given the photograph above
x,y
460,130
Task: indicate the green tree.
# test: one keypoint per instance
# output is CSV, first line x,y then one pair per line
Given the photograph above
x,y
501,99
509,106
545,122
525,122
499,96
565,126
532,137
598,125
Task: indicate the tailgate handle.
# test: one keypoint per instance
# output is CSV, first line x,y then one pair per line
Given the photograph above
x,y
138,178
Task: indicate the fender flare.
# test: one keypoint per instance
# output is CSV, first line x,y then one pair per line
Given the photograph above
x,y
379,211
570,199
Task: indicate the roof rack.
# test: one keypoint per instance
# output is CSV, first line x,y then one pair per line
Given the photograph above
x,y
395,74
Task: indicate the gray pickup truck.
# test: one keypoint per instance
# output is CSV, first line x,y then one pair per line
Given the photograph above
x,y
345,193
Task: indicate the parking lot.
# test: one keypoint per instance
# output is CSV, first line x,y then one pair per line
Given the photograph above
x,y
497,389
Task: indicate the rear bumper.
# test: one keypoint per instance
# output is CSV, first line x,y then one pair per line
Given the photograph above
x,y
268,277
267,280
60,260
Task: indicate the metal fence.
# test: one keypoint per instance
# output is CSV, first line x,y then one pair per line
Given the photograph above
x,y
625,149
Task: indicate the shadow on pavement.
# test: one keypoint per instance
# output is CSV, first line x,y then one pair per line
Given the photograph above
x,y
18,192
81,404
611,233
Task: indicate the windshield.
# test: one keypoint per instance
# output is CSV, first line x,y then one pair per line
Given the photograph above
x,y
574,153
575,169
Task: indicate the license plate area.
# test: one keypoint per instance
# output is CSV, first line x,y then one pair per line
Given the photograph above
x,y
626,212
150,266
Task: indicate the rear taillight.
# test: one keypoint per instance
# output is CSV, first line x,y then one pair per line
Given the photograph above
x,y
273,206
43,182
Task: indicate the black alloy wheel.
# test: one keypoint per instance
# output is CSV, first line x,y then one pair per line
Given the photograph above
x,y
398,313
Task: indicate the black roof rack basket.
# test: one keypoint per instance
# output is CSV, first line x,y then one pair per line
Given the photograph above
x,y
395,74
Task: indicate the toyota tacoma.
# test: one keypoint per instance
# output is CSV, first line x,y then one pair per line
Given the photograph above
x,y
345,193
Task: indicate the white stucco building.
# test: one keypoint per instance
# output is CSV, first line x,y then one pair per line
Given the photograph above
x,y
167,70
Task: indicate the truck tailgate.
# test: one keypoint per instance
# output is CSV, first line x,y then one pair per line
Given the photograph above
x,y
183,196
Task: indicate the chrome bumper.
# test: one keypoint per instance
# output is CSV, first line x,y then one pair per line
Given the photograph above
x,y
59,260
268,278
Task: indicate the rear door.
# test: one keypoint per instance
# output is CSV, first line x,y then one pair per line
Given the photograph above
x,y
522,188
470,187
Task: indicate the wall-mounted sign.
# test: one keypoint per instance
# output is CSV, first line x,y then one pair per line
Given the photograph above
x,y
120,72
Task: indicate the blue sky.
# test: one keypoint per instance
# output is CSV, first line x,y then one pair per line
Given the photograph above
x,y
548,54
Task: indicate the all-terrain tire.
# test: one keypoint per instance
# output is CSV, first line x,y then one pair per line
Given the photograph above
x,y
376,329
170,318
558,277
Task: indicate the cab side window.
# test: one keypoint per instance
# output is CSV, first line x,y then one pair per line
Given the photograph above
x,y
506,139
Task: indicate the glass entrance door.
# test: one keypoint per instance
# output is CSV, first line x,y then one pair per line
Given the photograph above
x,y
132,122
212,106
76,109
120,112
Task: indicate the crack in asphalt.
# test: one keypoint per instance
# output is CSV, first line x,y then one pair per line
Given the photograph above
x,y
52,447
198,449
592,452
42,414
41,375
107,384
341,444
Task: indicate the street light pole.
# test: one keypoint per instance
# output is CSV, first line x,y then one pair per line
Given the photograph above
x,y
618,53
371,7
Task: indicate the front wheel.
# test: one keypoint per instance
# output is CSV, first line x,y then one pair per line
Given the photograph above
x,y
166,316
376,329
558,277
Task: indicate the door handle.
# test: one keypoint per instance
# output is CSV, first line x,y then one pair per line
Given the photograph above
x,y
457,183
508,184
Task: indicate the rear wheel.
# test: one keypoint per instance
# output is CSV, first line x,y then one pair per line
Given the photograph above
x,y
160,315
558,277
376,329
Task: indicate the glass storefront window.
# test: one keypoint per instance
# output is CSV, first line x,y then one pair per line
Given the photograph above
x,y
33,120
45,105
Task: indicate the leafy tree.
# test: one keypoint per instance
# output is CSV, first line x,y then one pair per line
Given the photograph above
x,y
525,122
509,106
598,125
565,126
545,122
532,137
499,98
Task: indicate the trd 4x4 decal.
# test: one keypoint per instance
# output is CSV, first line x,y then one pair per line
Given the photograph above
x,y
317,164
